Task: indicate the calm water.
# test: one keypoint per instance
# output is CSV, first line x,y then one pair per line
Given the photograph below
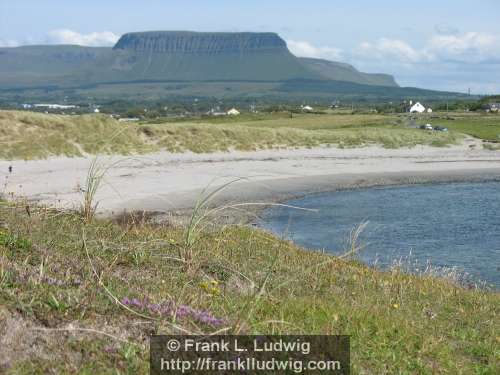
x,y
448,226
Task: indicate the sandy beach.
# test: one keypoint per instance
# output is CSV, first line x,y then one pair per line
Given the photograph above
x,y
165,182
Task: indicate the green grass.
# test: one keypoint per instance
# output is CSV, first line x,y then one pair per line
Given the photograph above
x,y
27,135
481,126
52,280
326,122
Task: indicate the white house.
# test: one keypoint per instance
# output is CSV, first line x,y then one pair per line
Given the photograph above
x,y
418,108
307,108
233,112
429,110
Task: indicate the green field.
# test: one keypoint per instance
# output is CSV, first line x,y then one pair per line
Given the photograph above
x,y
28,135
66,287
484,126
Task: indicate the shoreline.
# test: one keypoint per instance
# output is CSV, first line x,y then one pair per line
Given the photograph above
x,y
167,183
284,190
462,177
354,169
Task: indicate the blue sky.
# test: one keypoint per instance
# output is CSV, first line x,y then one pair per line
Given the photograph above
x,y
449,45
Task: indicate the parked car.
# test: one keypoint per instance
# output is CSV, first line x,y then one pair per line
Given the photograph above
x,y
440,129
426,127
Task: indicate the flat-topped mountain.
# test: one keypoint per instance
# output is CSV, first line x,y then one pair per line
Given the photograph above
x,y
167,56
194,56
185,63
201,43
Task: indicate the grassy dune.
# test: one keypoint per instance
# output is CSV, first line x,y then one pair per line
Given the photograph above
x,y
27,135
67,292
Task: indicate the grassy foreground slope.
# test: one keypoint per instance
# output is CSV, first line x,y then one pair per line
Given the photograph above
x,y
28,135
80,297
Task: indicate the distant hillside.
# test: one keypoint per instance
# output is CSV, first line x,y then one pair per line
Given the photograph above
x,y
318,88
338,71
164,64
171,56
175,56
61,65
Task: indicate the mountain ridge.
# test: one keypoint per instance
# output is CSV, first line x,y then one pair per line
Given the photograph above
x,y
169,55
143,66
198,42
340,71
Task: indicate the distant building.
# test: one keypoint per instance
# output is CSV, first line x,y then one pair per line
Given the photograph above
x,y
417,108
429,110
213,112
307,108
96,110
216,111
233,112
54,106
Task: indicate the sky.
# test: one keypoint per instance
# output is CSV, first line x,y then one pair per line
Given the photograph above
x,y
444,45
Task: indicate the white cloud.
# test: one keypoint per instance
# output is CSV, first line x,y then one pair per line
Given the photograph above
x,y
391,50
447,60
95,39
306,49
471,47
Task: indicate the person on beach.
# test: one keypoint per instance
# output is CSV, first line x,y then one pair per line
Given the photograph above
x,y
10,168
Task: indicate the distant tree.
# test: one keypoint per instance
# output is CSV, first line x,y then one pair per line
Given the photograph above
x,y
135,112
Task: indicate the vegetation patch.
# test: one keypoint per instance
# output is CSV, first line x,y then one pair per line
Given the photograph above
x,y
85,295
485,126
28,135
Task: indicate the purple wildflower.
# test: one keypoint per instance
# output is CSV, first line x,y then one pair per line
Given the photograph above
x,y
52,281
168,309
135,302
109,349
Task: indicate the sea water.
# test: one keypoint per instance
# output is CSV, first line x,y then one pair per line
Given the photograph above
x,y
443,229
